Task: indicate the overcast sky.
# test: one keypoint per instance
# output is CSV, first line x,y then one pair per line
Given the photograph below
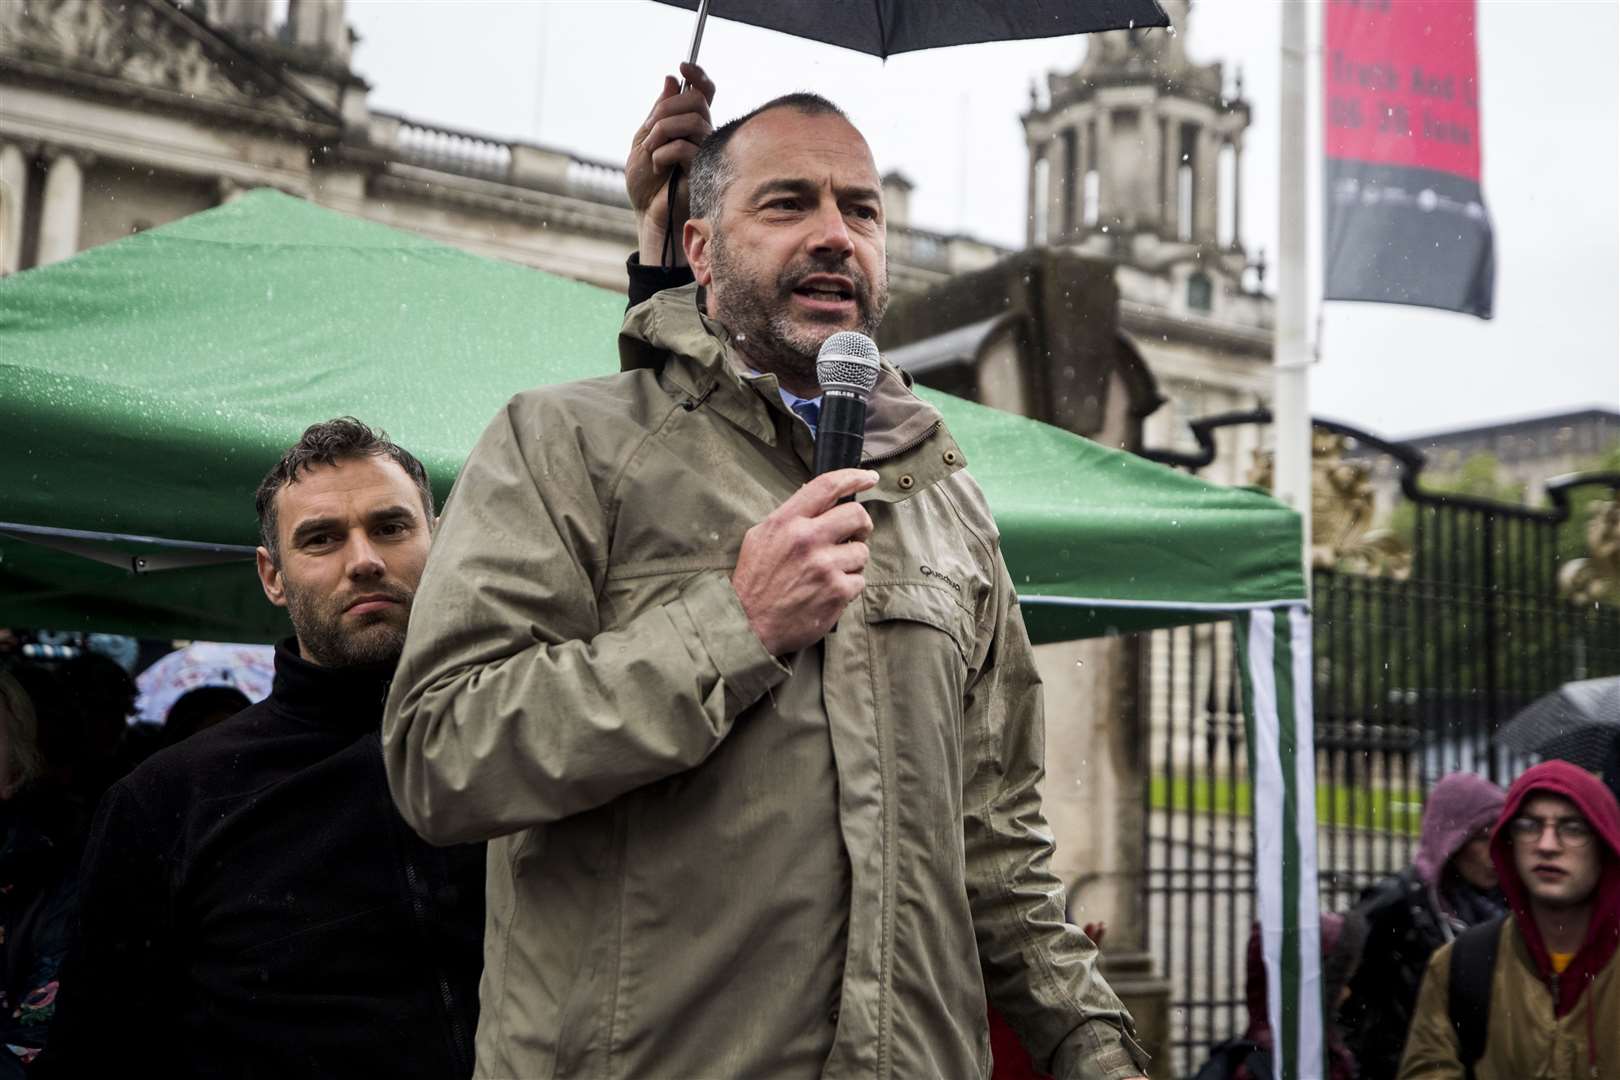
x,y
581,74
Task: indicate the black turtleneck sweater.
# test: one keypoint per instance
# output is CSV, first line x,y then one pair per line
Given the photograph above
x,y
254,906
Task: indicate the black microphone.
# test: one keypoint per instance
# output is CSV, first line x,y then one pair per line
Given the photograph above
x,y
847,369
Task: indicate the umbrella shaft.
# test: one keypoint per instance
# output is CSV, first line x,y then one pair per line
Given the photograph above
x,y
697,36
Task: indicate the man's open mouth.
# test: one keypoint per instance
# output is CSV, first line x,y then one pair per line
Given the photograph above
x,y
825,289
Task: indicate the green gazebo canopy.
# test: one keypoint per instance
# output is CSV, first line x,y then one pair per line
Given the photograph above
x,y
146,386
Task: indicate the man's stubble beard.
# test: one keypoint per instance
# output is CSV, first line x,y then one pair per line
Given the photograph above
x,y
759,319
318,624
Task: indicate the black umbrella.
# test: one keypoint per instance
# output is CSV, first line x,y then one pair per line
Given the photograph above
x,y
886,27
1578,723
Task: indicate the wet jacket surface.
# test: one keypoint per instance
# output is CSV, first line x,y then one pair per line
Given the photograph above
x,y
1542,1025
705,861
253,901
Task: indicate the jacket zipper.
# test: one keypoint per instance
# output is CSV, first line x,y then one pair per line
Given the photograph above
x,y
458,1035
914,443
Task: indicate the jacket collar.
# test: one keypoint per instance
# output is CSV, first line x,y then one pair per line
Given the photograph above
x,y
670,334
347,699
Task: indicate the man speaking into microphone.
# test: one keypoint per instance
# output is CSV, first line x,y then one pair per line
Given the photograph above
x,y
727,841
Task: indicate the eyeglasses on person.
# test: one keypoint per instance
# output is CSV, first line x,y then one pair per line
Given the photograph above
x,y
1572,832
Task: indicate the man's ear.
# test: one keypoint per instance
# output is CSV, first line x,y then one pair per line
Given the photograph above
x,y
275,590
695,239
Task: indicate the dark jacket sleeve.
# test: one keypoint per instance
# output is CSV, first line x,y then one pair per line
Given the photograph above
x,y
647,281
117,982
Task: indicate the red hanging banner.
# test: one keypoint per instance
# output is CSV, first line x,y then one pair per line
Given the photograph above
x,y
1405,220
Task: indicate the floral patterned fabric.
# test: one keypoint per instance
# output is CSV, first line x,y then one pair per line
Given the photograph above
x,y
38,908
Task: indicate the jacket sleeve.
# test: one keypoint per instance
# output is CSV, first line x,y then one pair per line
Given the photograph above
x,y
513,704
645,282
1432,1051
117,982
1040,971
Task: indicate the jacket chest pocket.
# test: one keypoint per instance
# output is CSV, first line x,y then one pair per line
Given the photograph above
x,y
922,642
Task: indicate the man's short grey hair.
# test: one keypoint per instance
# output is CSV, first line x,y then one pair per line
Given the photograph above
x,y
712,169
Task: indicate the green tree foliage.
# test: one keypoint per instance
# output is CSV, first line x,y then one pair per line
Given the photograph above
x,y
1572,536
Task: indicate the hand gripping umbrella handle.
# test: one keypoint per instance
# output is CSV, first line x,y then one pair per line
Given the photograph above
x,y
667,257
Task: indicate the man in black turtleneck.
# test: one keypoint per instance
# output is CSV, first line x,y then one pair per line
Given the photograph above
x,y
253,905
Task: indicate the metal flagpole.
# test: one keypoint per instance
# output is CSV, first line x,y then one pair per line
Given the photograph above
x,y
1291,352
1289,915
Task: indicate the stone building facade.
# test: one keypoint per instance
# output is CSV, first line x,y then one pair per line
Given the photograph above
x,y
1528,451
118,115
1136,158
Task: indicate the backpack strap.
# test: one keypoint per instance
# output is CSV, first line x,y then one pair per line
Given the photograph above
x,y
1473,962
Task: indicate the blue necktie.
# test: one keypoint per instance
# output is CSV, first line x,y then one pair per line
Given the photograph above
x,y
809,412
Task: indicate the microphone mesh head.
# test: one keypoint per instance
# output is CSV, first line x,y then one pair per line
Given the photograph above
x,y
848,362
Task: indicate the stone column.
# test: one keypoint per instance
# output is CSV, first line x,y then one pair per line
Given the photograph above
x,y
1107,161
1057,172
1170,136
61,209
1037,154
1074,181
1092,797
1152,168
1207,188
13,192
1237,193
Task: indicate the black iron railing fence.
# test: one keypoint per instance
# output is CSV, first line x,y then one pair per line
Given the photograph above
x,y
1413,677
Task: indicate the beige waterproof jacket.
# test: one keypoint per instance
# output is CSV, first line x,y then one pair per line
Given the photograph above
x,y
1523,1040
706,862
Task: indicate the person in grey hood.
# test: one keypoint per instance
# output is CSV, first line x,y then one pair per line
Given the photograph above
x,y
1450,886
758,768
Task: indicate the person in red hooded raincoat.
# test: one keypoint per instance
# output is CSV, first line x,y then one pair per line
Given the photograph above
x,y
1554,1011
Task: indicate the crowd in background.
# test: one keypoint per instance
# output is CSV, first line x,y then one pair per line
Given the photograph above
x,y
68,731
1525,883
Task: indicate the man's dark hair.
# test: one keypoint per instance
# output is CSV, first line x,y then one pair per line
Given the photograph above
x,y
711,168
328,443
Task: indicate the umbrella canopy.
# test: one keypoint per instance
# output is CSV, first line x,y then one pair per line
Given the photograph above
x,y
148,385
886,27
1579,723
249,669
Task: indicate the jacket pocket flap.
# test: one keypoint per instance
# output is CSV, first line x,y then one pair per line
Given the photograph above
x,y
922,602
